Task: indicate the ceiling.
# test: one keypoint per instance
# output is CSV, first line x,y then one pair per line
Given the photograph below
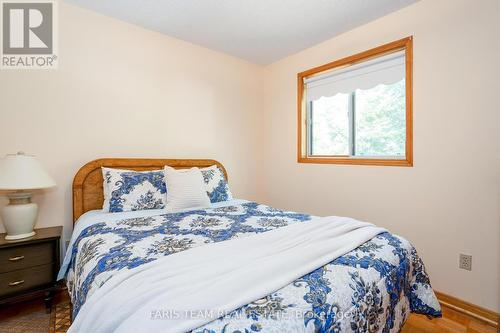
x,y
260,31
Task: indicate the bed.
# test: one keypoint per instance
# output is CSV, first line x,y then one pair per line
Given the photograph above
x,y
372,287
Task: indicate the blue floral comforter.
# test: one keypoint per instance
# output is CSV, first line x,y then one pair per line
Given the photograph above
x,y
370,289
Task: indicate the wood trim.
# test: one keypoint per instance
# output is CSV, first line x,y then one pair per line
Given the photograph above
x,y
409,99
87,184
489,317
354,161
402,44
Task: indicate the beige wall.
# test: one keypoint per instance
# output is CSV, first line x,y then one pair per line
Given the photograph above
x,y
124,91
449,202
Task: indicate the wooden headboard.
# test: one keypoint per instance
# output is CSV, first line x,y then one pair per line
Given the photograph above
x,y
88,181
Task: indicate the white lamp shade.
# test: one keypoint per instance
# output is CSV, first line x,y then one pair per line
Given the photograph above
x,y
23,172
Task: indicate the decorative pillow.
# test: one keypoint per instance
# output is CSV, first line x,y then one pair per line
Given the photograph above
x,y
128,190
186,189
216,184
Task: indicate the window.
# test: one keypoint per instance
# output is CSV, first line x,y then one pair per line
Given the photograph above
x,y
358,110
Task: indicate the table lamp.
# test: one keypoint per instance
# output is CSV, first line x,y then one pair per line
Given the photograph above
x,y
20,176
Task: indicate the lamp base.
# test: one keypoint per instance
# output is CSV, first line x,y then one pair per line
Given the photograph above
x,y
19,216
21,236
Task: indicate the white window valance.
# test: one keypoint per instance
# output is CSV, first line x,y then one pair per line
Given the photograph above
x,y
387,69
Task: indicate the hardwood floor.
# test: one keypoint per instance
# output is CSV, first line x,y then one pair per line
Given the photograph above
x,y
452,321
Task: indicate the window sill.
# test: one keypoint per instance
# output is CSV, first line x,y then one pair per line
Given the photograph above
x,y
408,162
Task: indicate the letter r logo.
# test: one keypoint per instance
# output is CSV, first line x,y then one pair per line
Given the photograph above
x,y
27,27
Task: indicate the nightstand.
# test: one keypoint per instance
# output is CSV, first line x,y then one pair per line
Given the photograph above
x,y
29,267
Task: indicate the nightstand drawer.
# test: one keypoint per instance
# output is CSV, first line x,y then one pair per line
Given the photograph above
x,y
25,279
25,256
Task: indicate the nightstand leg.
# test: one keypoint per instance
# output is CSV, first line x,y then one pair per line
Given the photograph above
x,y
49,296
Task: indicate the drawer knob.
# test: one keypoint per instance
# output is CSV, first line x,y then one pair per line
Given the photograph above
x,y
16,258
15,283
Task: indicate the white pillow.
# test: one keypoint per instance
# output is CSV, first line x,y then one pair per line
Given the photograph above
x,y
185,189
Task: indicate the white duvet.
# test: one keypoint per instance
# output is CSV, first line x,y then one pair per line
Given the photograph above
x,y
188,289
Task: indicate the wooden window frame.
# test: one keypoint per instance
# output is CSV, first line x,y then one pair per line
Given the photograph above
x,y
405,44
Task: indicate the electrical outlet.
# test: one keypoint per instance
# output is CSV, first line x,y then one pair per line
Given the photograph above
x,y
465,262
